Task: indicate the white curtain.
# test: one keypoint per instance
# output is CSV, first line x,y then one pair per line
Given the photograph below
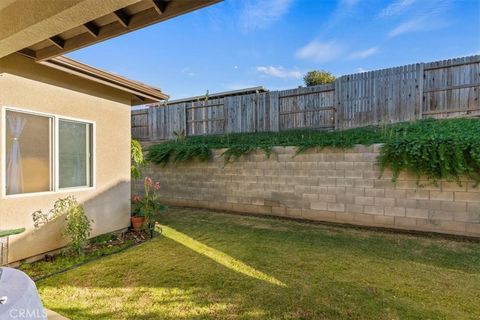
x,y
16,124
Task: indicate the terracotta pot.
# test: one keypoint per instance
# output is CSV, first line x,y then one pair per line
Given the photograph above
x,y
137,223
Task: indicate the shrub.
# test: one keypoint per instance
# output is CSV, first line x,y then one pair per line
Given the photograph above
x,y
136,157
317,77
78,226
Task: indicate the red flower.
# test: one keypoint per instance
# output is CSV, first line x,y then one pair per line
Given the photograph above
x,y
136,199
148,182
157,185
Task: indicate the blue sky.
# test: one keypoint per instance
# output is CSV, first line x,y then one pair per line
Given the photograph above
x,y
244,43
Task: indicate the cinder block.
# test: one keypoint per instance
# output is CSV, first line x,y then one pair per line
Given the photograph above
x,y
353,157
371,157
406,203
473,207
370,174
374,192
345,198
473,187
294,212
318,205
388,220
363,218
405,222
344,182
441,215
429,204
375,210
363,183
354,208
418,194
326,166
327,198
385,202
473,228
467,196
395,193
456,206
355,191
327,182
337,207
395,211
310,196
364,200
336,190
364,166
344,166
318,189
279,211
453,186
453,226
344,216
417,213
441,195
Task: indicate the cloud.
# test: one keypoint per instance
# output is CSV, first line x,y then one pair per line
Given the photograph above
x,y
363,53
262,14
360,70
279,72
396,7
428,15
320,51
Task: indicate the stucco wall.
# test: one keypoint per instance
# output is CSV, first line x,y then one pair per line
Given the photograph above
x,y
330,185
26,85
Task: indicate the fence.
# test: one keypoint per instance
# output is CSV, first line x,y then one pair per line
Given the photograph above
x,y
441,89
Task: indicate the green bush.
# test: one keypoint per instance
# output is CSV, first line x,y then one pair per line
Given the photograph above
x,y
437,149
136,158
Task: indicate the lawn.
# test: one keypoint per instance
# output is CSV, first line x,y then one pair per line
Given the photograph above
x,y
209,265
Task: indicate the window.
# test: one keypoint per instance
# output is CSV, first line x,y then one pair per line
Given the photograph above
x,y
74,154
46,153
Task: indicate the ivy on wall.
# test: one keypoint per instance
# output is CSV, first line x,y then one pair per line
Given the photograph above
x,y
436,149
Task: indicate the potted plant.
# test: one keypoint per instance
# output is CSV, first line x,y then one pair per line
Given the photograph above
x,y
146,207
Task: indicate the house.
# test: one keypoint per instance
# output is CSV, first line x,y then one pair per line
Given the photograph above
x,y
65,126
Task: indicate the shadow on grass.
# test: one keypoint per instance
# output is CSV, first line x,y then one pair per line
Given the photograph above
x,y
207,267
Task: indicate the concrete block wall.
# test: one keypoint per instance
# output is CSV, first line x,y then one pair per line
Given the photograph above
x,y
342,186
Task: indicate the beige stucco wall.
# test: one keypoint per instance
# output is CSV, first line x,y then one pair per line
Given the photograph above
x,y
342,186
26,85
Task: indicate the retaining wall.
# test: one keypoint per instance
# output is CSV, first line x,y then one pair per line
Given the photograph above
x,y
342,186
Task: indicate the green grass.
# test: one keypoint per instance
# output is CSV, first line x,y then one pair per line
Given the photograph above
x,y
218,266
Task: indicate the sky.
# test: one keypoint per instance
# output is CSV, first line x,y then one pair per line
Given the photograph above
x,y
237,44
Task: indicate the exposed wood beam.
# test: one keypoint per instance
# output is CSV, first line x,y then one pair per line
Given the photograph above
x,y
92,28
139,20
57,41
122,17
160,6
28,52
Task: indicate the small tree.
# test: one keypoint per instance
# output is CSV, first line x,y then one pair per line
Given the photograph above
x,y
317,77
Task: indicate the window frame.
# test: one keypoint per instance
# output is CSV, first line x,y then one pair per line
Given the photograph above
x,y
54,153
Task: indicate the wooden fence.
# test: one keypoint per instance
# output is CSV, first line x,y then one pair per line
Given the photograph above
x,y
441,89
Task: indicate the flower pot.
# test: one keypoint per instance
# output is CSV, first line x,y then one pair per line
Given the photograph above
x,y
137,223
